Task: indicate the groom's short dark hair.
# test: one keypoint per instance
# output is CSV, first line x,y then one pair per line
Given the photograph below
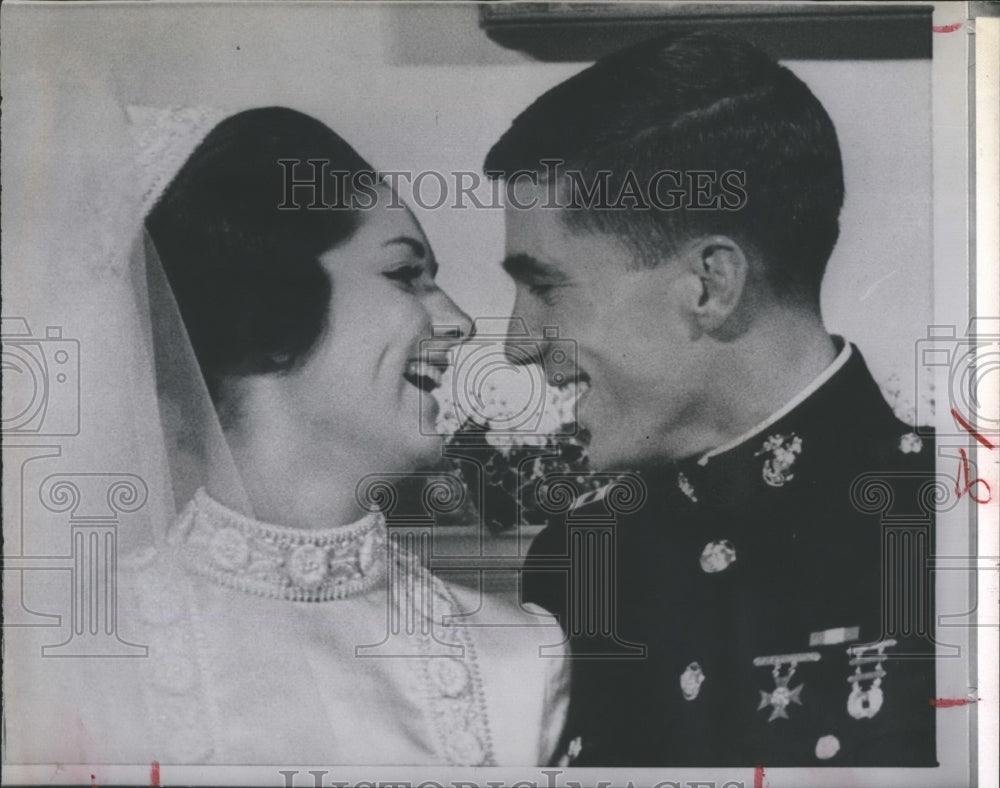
x,y
691,103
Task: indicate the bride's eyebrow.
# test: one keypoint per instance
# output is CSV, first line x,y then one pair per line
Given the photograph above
x,y
418,248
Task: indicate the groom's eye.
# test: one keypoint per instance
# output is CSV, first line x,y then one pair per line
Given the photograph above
x,y
542,291
538,278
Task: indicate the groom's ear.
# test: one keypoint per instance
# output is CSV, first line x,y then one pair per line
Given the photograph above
x,y
719,269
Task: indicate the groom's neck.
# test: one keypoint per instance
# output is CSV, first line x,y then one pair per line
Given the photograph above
x,y
750,379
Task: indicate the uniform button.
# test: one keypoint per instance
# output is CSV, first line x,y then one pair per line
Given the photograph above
x,y
911,443
717,556
572,752
691,681
827,747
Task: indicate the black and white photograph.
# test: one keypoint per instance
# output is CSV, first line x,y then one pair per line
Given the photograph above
x,y
467,394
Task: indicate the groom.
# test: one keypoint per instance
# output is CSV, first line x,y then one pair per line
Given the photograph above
x,y
672,209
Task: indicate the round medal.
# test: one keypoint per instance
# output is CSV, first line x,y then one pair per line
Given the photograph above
x,y
865,704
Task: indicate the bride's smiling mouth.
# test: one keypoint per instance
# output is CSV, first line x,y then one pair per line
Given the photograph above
x,y
423,374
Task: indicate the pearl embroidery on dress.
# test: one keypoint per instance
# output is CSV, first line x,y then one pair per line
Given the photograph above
x,y
182,718
456,704
284,563
302,565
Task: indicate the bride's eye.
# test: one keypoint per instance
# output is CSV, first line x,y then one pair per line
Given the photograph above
x,y
405,274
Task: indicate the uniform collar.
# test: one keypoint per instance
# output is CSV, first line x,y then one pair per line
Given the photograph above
x,y
840,408
835,366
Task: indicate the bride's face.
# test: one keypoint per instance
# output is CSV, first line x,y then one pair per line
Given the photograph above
x,y
364,387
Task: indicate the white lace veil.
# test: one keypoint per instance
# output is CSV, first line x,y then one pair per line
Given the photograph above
x,y
81,277
107,424
196,451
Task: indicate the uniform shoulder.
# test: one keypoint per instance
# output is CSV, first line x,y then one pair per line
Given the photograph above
x,y
906,447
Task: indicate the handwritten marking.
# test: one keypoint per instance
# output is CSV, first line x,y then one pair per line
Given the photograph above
x,y
758,777
970,485
154,774
947,703
946,28
970,429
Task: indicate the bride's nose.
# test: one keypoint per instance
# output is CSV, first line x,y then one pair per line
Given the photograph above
x,y
449,320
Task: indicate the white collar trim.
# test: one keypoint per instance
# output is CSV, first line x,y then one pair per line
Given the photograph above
x,y
789,406
275,561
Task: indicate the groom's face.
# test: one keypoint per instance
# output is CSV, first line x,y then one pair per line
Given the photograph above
x,y
633,341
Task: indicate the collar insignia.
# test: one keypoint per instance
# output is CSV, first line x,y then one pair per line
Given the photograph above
x,y
686,487
780,453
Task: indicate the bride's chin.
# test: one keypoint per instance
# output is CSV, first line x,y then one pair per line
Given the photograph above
x,y
420,414
426,404
421,451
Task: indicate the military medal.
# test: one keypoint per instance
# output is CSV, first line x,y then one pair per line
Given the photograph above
x,y
865,703
782,696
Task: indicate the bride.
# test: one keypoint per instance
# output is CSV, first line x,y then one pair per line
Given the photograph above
x,y
288,351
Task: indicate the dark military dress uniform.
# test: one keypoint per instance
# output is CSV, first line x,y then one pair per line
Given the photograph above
x,y
771,602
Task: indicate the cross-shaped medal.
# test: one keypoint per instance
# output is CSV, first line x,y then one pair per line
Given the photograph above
x,y
780,699
783,696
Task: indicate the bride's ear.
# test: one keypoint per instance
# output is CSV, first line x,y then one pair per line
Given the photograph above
x,y
719,269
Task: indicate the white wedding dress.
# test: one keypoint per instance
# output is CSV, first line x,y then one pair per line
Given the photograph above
x,y
271,645
234,641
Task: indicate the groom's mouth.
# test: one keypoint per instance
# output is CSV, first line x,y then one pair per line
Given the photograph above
x,y
423,374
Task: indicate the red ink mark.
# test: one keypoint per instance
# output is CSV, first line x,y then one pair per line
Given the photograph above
x,y
971,430
154,774
758,777
946,28
947,703
963,470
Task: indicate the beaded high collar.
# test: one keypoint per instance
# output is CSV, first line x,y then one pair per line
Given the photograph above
x,y
297,564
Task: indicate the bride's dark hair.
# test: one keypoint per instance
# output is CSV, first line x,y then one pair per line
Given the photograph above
x,y
241,255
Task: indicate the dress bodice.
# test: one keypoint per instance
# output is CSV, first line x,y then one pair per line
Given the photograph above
x,y
269,644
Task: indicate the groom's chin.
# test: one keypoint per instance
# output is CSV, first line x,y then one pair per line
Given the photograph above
x,y
618,446
608,450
